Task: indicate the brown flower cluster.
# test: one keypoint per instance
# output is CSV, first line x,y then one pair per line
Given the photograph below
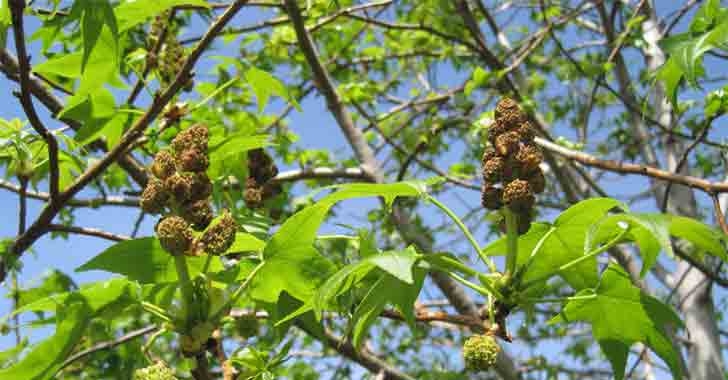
x,y
181,191
511,172
171,55
258,188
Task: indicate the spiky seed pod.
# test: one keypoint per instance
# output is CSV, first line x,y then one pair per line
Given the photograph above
x,y
526,131
163,165
174,235
201,186
509,113
218,237
529,156
198,214
492,197
157,371
518,195
194,137
537,181
193,160
154,197
480,352
507,143
493,169
180,186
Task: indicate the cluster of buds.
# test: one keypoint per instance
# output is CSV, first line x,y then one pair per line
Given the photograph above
x,y
511,172
258,188
171,55
157,371
180,190
480,352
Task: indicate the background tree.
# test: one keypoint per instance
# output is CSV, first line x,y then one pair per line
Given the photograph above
x,y
625,99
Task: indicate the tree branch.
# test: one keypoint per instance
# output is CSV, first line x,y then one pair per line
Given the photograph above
x,y
16,10
629,168
87,231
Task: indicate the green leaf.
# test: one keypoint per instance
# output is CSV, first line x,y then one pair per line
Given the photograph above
x,y
264,85
45,359
621,315
245,242
653,232
53,283
132,13
292,263
96,15
10,355
566,243
145,260
386,290
96,296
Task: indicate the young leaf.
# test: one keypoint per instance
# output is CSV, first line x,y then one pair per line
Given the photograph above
x,y
621,315
132,13
145,260
387,290
264,85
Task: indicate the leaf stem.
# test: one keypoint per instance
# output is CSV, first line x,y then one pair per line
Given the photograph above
x,y
561,300
237,293
466,232
579,260
188,297
156,311
511,240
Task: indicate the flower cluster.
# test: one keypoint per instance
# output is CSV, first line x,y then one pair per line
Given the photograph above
x,y
480,352
258,188
157,371
181,191
171,55
511,172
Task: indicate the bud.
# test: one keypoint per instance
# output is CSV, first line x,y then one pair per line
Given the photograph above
x,y
493,169
158,371
487,155
518,196
526,131
253,197
509,113
496,129
198,214
163,165
194,137
201,186
529,156
180,186
218,237
492,197
154,197
480,352
174,235
193,160
507,143
261,166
